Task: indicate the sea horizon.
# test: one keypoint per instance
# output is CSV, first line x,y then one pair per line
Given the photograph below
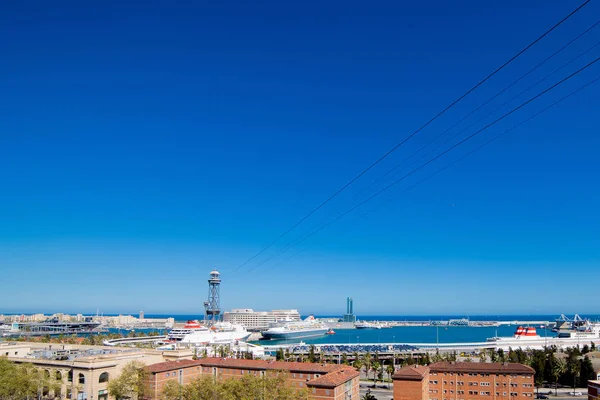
x,y
375,317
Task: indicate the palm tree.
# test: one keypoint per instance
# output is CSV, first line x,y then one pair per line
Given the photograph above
x,y
357,364
375,367
574,369
366,362
390,370
558,369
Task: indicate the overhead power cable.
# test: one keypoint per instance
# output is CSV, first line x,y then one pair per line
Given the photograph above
x,y
553,86
336,193
481,146
496,108
485,144
488,101
388,172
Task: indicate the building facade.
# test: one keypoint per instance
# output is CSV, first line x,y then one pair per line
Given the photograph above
x,y
464,381
256,320
83,371
593,390
323,381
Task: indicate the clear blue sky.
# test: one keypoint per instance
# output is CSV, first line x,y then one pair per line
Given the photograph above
x,y
141,145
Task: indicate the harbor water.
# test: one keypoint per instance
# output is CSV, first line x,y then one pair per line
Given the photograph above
x,y
410,334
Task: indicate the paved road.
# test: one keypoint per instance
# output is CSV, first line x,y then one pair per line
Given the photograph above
x,y
387,394
380,392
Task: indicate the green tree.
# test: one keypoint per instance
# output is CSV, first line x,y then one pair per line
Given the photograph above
x,y
366,362
593,347
390,371
368,396
426,359
273,386
573,367
380,373
585,349
345,359
24,381
501,356
171,391
279,355
538,363
357,364
586,371
559,367
375,367
131,384
311,354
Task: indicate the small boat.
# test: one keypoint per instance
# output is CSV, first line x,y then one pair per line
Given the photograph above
x,y
330,332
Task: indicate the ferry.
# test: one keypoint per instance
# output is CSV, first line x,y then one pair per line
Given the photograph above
x,y
527,337
307,328
193,333
367,325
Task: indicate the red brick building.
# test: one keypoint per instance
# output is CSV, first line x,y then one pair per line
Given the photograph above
x,y
593,390
324,381
182,372
464,381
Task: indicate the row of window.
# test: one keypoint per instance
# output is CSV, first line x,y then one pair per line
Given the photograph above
x,y
526,385
478,374
475,393
480,393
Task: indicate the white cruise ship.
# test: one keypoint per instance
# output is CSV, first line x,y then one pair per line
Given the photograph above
x,y
193,333
295,330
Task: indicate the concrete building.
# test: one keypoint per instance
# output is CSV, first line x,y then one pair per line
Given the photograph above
x,y
324,381
593,390
84,371
257,320
464,381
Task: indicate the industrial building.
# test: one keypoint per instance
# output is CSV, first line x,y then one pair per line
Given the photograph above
x,y
464,381
257,320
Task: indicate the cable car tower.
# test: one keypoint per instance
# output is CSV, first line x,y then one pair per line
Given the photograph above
x,y
212,306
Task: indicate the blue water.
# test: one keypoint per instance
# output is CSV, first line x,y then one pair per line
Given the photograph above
x,y
412,334
416,334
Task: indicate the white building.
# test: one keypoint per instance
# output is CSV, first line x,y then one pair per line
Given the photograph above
x,y
254,320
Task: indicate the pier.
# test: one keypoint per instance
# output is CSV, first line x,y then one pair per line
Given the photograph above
x,y
51,328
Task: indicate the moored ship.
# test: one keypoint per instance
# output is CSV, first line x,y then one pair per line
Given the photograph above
x,y
575,335
295,330
193,333
367,325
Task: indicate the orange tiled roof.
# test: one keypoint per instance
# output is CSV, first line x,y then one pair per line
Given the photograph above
x,y
411,373
334,379
269,365
489,368
171,365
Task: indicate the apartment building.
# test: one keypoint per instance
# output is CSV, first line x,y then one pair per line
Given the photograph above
x,y
323,381
464,381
